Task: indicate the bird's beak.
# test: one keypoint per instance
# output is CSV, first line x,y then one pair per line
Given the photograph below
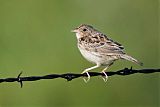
x,y
74,31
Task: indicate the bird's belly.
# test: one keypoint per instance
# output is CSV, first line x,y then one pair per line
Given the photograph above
x,y
96,58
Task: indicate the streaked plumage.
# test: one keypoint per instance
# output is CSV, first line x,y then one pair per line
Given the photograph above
x,y
98,48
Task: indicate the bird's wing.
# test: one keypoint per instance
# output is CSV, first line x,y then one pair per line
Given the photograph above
x,y
110,46
107,45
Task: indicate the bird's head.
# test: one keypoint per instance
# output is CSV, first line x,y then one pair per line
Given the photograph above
x,y
83,30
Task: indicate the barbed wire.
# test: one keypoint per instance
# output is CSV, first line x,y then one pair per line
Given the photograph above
x,y
71,76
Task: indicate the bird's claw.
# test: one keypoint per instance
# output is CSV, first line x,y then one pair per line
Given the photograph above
x,y
105,77
88,77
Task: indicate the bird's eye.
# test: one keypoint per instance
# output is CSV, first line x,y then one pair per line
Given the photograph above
x,y
84,29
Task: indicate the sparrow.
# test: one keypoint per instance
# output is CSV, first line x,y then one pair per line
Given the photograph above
x,y
99,49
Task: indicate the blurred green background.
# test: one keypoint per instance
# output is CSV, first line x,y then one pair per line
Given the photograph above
x,y
35,38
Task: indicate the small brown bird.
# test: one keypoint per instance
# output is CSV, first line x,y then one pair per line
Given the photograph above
x,y
97,48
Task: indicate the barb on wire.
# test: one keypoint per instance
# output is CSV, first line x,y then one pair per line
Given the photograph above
x,y
71,76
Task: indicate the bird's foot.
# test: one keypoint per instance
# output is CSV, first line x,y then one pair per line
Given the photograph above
x,y
105,77
88,77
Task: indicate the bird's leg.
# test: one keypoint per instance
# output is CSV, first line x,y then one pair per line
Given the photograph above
x,y
103,71
86,71
106,77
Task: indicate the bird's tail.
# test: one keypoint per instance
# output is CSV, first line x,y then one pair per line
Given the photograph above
x,y
129,58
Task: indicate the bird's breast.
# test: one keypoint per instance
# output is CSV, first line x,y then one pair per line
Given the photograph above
x,y
95,57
